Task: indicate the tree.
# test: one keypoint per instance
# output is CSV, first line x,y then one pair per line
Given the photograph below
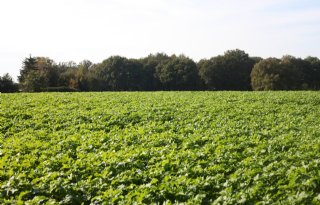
x,y
34,82
294,77
312,72
47,69
28,65
67,74
29,79
266,75
274,74
256,59
119,74
37,74
82,75
151,81
230,71
7,85
95,83
178,73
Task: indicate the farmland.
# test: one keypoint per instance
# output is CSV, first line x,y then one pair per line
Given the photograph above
x,y
160,147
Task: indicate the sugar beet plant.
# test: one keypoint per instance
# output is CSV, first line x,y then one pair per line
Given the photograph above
x,y
160,147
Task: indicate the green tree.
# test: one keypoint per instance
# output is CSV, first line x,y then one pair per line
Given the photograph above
x,y
82,75
29,78
47,69
230,71
119,74
34,82
279,74
37,74
67,74
266,75
150,63
312,72
7,85
178,73
293,76
28,65
256,59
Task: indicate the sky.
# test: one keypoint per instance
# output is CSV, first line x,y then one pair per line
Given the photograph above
x,y
75,30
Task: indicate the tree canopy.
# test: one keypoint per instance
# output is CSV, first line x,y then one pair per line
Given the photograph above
x,y
287,73
234,70
7,85
178,73
230,71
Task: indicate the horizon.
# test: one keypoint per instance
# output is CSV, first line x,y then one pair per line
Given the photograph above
x,y
95,30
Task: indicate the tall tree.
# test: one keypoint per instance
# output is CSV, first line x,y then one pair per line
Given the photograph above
x,y
119,74
82,75
37,74
266,75
28,65
7,85
150,63
230,71
293,77
178,73
29,79
312,73
286,73
67,74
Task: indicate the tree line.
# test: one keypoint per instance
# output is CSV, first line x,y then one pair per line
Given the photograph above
x,y
234,70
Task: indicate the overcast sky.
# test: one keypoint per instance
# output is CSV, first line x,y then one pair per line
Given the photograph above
x,y
66,30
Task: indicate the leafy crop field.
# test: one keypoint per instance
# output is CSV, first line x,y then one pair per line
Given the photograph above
x,y
160,147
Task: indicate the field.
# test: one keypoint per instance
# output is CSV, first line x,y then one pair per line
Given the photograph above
x,y
160,147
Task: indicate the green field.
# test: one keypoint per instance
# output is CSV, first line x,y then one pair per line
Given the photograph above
x,y
160,147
